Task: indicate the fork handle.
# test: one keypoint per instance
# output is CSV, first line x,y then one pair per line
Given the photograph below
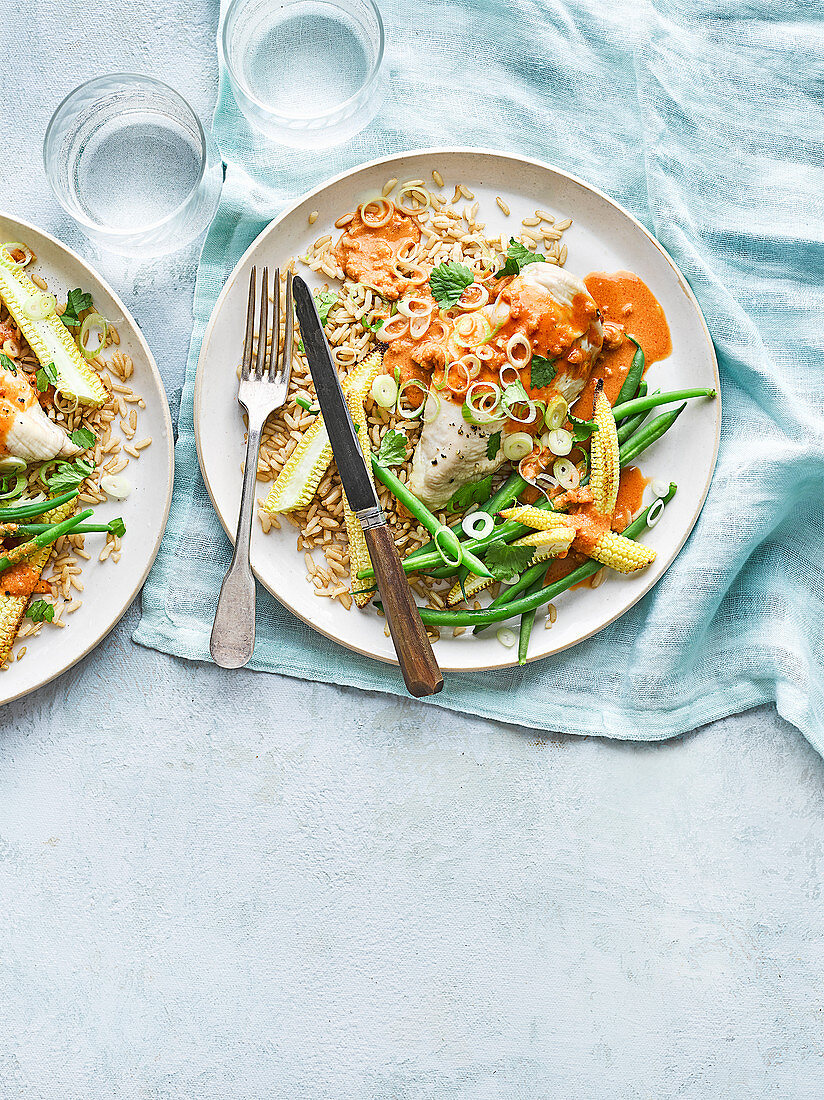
x,y
233,634
415,657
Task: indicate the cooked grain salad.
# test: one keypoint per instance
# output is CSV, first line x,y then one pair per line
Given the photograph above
x,y
502,400
69,430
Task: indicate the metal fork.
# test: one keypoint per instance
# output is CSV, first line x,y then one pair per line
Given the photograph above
x,y
260,393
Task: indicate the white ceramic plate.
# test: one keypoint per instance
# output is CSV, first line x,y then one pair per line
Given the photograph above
x,y
109,587
603,237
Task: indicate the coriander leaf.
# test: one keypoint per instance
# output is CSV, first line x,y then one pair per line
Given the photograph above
x,y
448,281
493,445
117,527
7,364
46,376
474,493
77,301
541,372
324,301
513,395
83,438
582,429
393,449
40,611
506,562
68,475
517,257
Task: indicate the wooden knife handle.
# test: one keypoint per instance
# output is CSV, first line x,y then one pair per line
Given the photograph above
x,y
418,665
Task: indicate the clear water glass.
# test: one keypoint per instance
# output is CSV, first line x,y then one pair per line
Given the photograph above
x,y
129,160
305,72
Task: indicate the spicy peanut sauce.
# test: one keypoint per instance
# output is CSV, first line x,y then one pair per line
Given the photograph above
x,y
380,258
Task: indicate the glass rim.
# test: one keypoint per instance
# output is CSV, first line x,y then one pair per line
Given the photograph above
x,y
77,214
238,82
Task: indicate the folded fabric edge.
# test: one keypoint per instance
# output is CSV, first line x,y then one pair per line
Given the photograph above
x,y
177,640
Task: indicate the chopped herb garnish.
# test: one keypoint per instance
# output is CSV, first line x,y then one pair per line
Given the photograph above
x,y
582,429
473,493
393,448
7,364
78,301
493,445
117,527
301,348
69,474
46,376
506,562
541,372
514,394
40,611
324,301
448,281
517,257
83,438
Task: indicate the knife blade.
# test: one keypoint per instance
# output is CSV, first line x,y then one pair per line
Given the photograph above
x,y
415,657
360,491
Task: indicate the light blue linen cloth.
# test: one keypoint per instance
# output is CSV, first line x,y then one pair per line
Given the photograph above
x,y
704,119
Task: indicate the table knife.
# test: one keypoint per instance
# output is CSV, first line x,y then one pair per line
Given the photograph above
x,y
412,646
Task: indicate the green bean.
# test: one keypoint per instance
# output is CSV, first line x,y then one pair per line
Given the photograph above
x,y
527,623
424,516
647,435
44,539
534,574
82,529
487,616
634,375
644,404
632,423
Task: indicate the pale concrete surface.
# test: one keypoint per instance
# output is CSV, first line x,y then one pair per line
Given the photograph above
x,y
231,886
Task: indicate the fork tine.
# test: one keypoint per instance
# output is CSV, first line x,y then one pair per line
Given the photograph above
x,y
246,365
274,362
260,365
288,334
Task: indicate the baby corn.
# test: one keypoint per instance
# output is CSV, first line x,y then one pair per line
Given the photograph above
x,y
604,461
548,544
621,554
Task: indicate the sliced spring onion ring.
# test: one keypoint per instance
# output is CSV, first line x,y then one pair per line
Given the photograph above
x,y
420,325
415,306
474,297
483,409
116,486
495,330
392,328
567,473
477,525
94,326
63,405
18,246
384,391
506,636
513,376
431,408
559,441
514,397
410,271
517,445
659,488
40,307
12,465
19,486
655,512
518,350
556,413
451,539
410,413
46,468
307,405
419,195
376,213
470,329
470,370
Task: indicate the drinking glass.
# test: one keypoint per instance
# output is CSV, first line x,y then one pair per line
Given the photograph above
x,y
128,159
305,72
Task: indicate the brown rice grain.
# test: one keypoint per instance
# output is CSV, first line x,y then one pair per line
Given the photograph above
x,y
562,225
38,281
313,217
502,205
143,444
389,187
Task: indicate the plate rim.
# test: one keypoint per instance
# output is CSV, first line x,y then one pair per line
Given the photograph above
x,y
170,465
481,153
